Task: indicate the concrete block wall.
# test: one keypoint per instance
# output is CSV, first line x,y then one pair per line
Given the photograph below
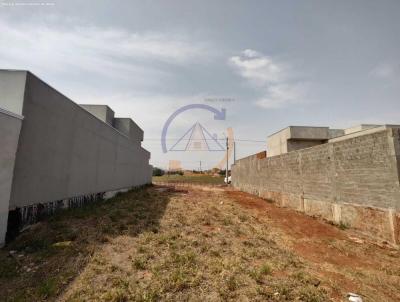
x,y
353,181
65,154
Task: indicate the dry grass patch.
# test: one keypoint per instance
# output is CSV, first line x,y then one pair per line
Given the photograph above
x,y
205,249
43,260
162,244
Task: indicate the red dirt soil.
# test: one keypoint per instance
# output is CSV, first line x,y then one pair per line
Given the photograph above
x,y
298,224
312,239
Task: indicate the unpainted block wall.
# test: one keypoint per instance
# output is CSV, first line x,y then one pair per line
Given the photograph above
x,y
329,179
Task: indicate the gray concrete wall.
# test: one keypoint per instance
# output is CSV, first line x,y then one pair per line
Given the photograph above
x,y
336,133
277,142
102,112
64,151
295,138
338,177
293,145
12,89
359,128
129,128
10,125
309,133
362,132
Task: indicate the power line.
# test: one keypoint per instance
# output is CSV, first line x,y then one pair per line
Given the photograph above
x,y
206,139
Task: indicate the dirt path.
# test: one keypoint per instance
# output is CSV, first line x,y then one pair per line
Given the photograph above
x,y
194,244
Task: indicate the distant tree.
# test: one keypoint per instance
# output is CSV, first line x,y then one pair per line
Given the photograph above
x,y
175,172
158,172
222,172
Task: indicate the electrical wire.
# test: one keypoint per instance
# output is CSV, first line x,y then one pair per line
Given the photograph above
x,y
205,139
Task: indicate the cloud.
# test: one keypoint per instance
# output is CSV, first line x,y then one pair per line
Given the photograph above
x,y
281,95
274,80
258,69
109,51
386,71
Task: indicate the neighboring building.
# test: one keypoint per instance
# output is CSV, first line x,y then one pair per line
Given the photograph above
x,y
359,128
56,153
300,137
174,166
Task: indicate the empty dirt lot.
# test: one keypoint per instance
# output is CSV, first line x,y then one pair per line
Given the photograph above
x,y
193,244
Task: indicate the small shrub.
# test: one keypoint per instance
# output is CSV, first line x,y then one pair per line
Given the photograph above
x,y
117,295
227,221
158,172
186,259
343,226
231,283
139,263
312,294
48,288
179,280
242,218
265,269
258,274
150,296
141,249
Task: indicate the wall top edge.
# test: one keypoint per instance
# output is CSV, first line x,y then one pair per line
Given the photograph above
x,y
15,70
293,127
96,105
383,128
6,112
361,133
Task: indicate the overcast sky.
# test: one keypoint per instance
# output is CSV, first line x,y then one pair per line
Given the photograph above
x,y
270,64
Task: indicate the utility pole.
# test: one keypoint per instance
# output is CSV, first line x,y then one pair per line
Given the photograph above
x,y
234,152
227,159
200,167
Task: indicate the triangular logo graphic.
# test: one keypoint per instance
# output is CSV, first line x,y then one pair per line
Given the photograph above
x,y
197,138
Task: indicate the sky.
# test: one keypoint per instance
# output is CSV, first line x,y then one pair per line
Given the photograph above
x,y
269,64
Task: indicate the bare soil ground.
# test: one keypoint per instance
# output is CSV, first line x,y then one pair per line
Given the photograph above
x,y
193,244
190,179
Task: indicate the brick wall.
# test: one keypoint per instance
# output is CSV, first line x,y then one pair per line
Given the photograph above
x,y
361,170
